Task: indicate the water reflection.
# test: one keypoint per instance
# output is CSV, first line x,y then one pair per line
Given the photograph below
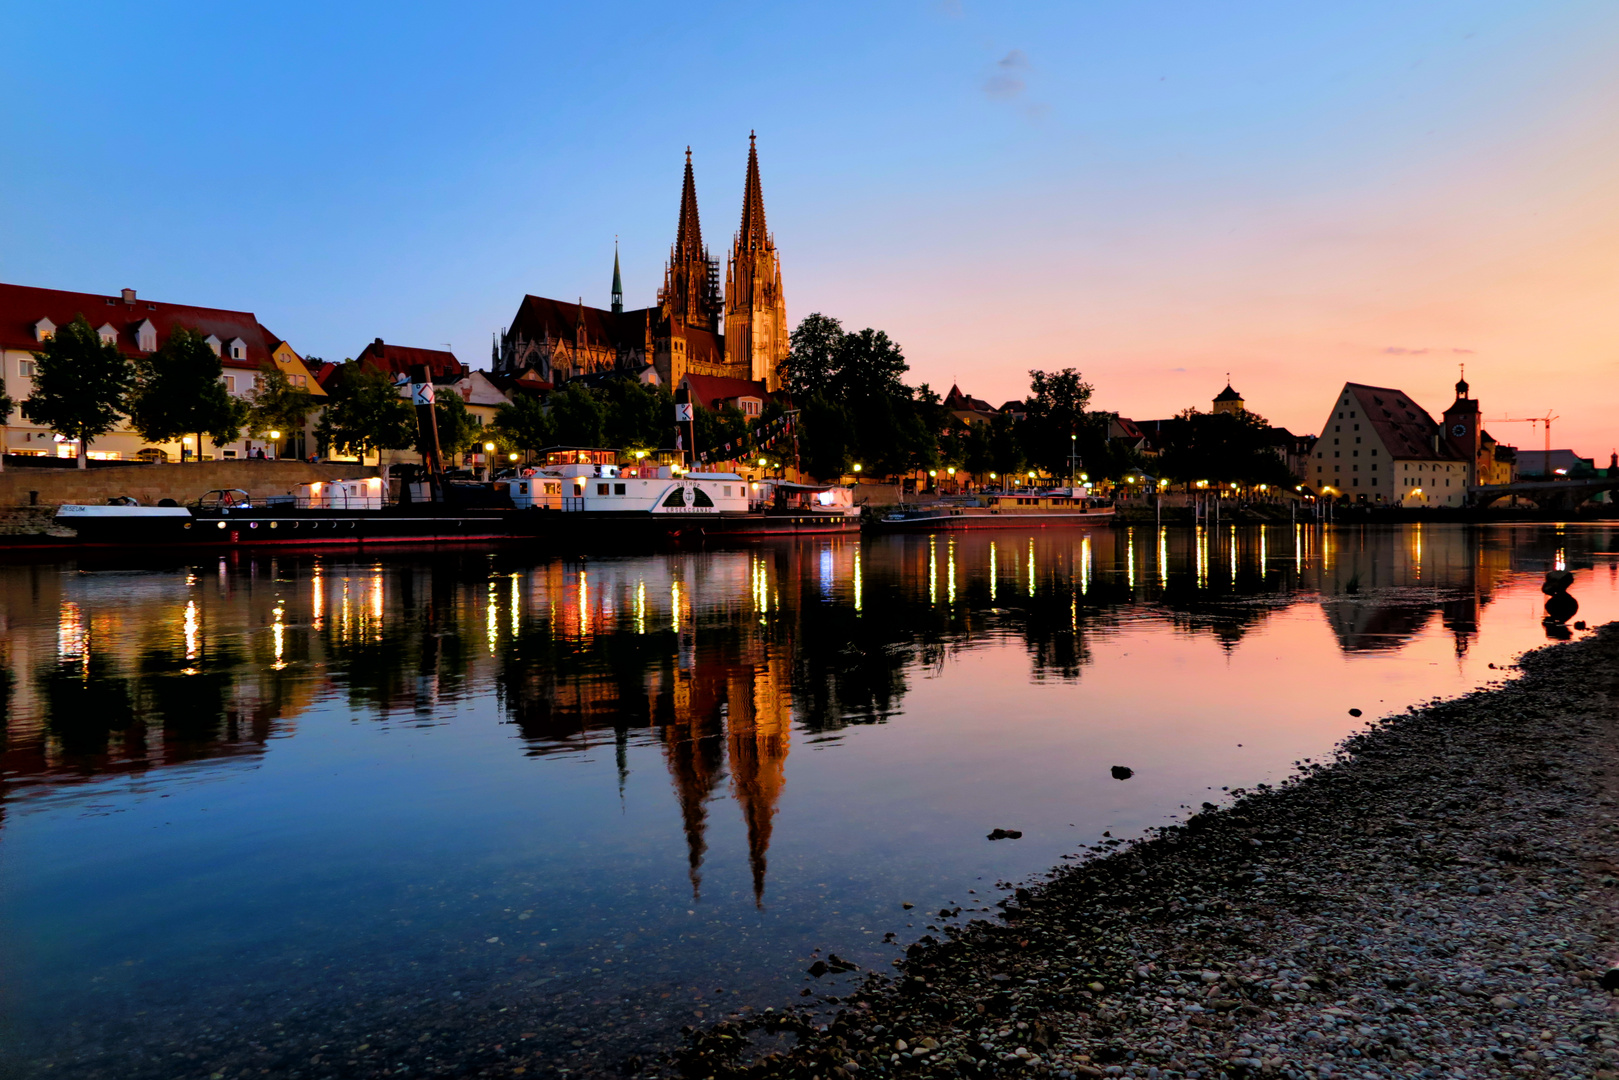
x,y
753,691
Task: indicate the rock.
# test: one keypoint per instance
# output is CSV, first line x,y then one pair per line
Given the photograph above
x,y
1006,834
1557,581
1122,772
818,968
907,905
1501,1001
1610,979
1354,712
1580,625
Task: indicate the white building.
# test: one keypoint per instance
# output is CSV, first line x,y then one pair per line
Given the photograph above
x,y
1379,446
29,316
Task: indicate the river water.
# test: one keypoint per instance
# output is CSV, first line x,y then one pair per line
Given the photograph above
x,y
287,812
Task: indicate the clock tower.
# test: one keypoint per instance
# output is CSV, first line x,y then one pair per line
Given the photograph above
x,y
1464,428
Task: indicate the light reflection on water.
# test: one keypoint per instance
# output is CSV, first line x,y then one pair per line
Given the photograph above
x,y
631,791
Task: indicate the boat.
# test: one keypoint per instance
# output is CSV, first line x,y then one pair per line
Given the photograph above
x,y
597,503
1033,509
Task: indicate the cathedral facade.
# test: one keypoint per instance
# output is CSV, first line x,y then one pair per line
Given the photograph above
x,y
695,328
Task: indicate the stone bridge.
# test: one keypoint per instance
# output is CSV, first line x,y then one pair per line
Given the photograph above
x,y
1559,496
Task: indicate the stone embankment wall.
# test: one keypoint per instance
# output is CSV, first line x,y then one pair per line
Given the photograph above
x,y
149,483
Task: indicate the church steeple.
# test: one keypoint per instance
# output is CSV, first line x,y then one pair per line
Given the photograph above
x,y
756,339
691,284
753,235
618,284
689,233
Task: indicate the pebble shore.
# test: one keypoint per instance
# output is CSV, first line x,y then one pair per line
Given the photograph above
x,y
1438,901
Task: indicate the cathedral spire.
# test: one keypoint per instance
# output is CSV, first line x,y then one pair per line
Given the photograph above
x,y
752,236
618,283
689,236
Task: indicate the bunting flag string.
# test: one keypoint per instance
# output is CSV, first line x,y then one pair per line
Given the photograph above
x,y
755,439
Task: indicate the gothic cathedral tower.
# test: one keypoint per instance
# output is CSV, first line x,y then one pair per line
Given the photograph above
x,y
691,293
755,312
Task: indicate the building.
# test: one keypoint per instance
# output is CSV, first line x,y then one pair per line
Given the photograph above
x,y
968,409
1227,400
29,316
1552,464
403,360
693,329
1380,446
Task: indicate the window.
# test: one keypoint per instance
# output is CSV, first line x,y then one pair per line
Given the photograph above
x,y
601,489
618,489
238,349
727,490
229,453
677,497
43,330
146,337
700,498
213,343
298,380
230,383
108,333
27,368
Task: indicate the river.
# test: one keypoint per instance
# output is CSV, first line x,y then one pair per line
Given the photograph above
x,y
488,812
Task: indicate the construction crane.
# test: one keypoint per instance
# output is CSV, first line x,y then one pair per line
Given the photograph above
x,y
1530,420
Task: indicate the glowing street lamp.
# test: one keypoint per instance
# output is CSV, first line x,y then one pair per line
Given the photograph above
x,y
857,466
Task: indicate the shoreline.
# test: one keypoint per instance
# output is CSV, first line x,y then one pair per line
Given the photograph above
x,y
1435,901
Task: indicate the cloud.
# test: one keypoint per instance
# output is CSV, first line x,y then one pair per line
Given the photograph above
x,y
1401,350
1003,83
1177,369
1467,351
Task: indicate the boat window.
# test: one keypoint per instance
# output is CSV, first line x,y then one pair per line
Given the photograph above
x,y
699,497
618,489
677,497
727,491
601,489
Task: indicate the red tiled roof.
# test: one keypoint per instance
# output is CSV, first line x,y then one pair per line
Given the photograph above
x,y
540,317
21,306
713,391
399,359
1405,427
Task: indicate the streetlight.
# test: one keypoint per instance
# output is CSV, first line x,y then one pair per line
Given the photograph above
x,y
489,462
1073,448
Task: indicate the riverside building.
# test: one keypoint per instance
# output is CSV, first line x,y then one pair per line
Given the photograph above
x,y
246,348
1379,446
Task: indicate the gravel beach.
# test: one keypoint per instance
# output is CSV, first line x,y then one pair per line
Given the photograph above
x,y
1437,901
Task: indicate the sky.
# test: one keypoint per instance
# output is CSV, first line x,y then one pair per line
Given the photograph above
x,y
1156,193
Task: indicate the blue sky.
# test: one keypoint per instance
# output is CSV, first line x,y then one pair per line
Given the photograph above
x,y
1154,192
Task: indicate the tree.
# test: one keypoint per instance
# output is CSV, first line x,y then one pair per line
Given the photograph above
x,y
826,438
525,423
868,364
81,384
6,405
638,416
458,429
1056,418
814,357
365,413
180,390
577,416
1221,447
277,405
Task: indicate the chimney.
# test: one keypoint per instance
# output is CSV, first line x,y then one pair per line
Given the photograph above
x,y
129,296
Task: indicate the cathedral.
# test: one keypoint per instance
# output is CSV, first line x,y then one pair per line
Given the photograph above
x,y
693,330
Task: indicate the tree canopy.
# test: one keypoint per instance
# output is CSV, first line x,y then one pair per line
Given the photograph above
x,y
277,405
81,385
179,390
365,413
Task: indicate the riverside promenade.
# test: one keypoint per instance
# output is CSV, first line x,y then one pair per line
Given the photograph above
x,y
1438,901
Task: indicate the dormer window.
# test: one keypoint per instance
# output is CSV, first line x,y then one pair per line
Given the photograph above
x,y
238,349
108,333
43,330
213,343
146,337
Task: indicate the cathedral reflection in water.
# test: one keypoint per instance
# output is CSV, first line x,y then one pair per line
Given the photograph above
x,y
718,657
